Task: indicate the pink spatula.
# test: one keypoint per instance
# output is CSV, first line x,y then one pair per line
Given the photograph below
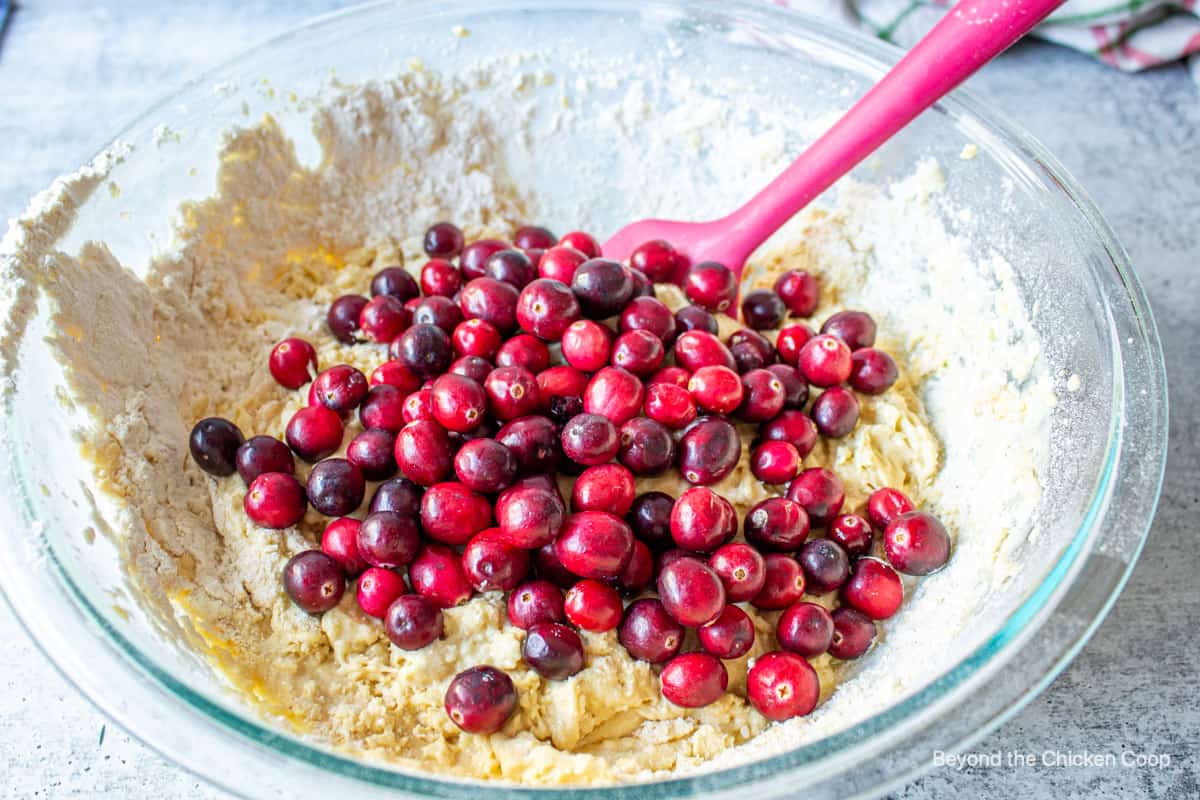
x,y
970,35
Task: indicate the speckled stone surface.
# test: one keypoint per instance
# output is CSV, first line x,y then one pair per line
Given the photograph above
x,y
71,73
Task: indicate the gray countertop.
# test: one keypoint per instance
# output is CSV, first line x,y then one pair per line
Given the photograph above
x,y
71,73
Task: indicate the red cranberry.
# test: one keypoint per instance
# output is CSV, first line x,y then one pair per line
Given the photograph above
x,y
529,517
731,635
792,427
546,308
646,446
835,412
492,301
481,699
582,242
377,589
586,345
475,256
443,240
614,393
916,543
593,606
657,259
553,650
602,286
560,382
384,318
384,407
459,403
492,564
440,311
696,349
512,392
826,565
335,487
604,487
709,451
437,574
716,389
872,371
775,462
533,602
670,405
763,310
293,362
394,282
695,318
214,445
764,396
639,352
691,592
440,278
524,350
673,376
343,317
805,629
649,314
751,350
423,452
590,439
388,539
314,432
821,494
393,373
795,388
874,588
799,292
510,266
534,236
260,454
595,544
886,504
777,525
560,263
340,388
824,361
784,583
473,367
475,337
639,572
694,680
485,465
710,285
649,633
742,570
313,581
339,541
547,565
412,622
852,533
398,494
650,519
782,685
855,328
791,340
853,633
534,443
702,520
451,513
424,349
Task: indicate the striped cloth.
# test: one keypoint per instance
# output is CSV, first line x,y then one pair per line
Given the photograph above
x,y
1130,35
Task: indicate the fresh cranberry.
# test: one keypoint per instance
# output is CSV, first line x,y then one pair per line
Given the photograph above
x,y
339,541
314,432
777,525
826,565
473,367
553,650
646,446
533,441
651,315
595,544
650,519
649,633
534,236
590,439
604,487
313,581
560,263
393,373
784,583
424,453
640,352
782,686
340,388
586,345
691,592
388,539
639,572
805,629
763,310
614,393
671,376
670,405
394,282
398,494
492,301
383,318
440,278
751,350
710,285
742,570
799,292
855,328
824,361
451,513
546,308
835,412
214,445
560,382
485,465
481,699
702,520
821,494
582,242
852,533
775,462
510,266
533,602
293,362
593,606
443,240
763,398
412,622
475,337
696,349
529,517
716,389
440,311
853,633
694,680
791,341
437,573
492,564
916,543
602,286
335,487
459,403
731,635
425,349
377,589
260,454
475,256
793,427
657,259
709,451
512,392
874,588
872,371
384,407
795,388
343,317
695,318
524,350
885,505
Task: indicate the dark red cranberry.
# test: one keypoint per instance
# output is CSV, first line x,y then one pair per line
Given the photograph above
x,y
424,453
751,350
604,487
546,308
614,393
742,570
394,282
388,539
393,373
799,292
649,314
384,407
793,427
696,349
475,337
821,494
293,363
459,403
440,278
835,412
640,352
639,572
590,439
916,543
650,519
731,635
214,444
593,606
335,487
526,351
343,317
646,446
791,341
492,564
777,525
553,650
582,242
658,260
649,633
795,388
710,285
852,532
412,622
398,494
782,686
602,286
855,328
702,520
586,345
694,680
512,392
775,462
716,389
475,256
473,367
451,513
853,633
313,433
874,588
339,541
695,318
595,544
440,311
670,405
377,589
872,371
492,301
826,565
260,454
784,583
805,629
534,443
691,592
383,318
529,517
533,602
443,240
275,500
763,398
437,574
481,699
560,263
534,236
425,349
340,388
763,310
709,451
313,581
886,504
824,361
485,465
510,266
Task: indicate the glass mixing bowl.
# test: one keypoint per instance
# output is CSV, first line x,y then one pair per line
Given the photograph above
x,y
71,593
